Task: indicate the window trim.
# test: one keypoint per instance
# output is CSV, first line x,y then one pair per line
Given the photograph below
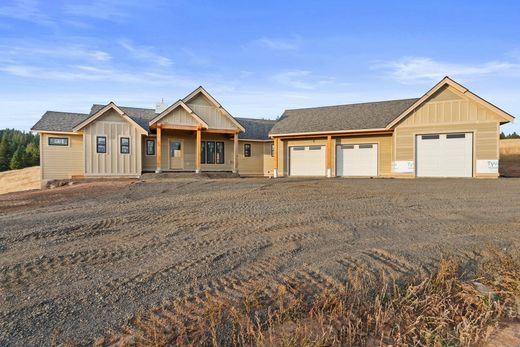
x,y
121,144
272,149
223,159
61,138
146,147
248,155
97,144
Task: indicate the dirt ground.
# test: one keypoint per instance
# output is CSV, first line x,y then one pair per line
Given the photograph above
x,y
78,261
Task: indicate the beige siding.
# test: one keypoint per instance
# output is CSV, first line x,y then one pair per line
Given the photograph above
x,y
449,111
209,113
253,165
62,162
384,148
149,161
112,163
283,151
268,159
179,116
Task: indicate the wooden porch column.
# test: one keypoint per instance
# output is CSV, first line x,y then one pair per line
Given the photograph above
x,y
275,163
197,163
158,150
235,153
329,156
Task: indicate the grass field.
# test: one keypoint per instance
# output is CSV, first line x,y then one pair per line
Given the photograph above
x,y
20,180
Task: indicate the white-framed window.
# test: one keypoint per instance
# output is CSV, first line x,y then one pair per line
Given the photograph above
x,y
58,141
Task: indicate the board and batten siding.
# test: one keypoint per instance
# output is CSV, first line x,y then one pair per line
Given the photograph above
x,y
112,163
209,113
448,111
179,116
61,162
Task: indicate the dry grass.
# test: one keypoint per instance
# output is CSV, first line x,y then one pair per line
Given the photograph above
x,y
439,310
509,147
18,180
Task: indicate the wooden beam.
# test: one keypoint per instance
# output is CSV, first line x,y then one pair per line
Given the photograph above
x,y
329,156
235,153
368,133
197,164
221,131
158,150
178,127
275,163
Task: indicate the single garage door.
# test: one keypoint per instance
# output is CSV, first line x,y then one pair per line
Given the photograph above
x,y
444,155
307,161
356,160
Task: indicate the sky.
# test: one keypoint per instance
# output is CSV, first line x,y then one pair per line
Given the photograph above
x,y
257,58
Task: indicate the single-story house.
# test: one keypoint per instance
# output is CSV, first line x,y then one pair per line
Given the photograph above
x,y
448,132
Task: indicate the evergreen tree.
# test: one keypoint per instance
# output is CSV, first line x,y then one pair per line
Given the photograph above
x,y
32,155
12,140
17,161
5,155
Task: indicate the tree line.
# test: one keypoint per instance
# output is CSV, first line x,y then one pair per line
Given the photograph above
x,y
514,135
18,149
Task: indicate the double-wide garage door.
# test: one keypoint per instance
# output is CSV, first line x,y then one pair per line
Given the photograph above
x,y
444,155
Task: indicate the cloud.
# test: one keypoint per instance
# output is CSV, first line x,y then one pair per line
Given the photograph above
x,y
279,44
420,69
27,10
11,51
146,54
108,10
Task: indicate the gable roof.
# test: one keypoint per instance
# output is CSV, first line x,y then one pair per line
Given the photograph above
x,y
364,116
59,121
141,116
201,90
93,116
256,129
446,81
179,103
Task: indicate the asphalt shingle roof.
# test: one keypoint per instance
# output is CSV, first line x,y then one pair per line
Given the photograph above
x,y
59,121
141,116
256,129
370,115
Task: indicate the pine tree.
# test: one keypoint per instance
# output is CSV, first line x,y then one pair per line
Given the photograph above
x,y
5,155
32,155
17,161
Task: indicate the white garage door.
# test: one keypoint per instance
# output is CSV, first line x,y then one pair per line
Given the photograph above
x,y
307,161
444,155
356,160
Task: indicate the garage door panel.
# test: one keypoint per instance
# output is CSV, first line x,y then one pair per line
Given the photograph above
x,y
307,161
356,160
444,155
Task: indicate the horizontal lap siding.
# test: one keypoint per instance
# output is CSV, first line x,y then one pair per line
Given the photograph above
x,y
62,162
253,165
384,149
268,159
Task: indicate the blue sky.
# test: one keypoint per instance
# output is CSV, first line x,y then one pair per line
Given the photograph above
x,y
256,57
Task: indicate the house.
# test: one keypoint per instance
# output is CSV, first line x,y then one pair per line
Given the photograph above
x,y
448,132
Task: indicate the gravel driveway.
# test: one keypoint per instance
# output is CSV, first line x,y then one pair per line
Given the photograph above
x,y
78,261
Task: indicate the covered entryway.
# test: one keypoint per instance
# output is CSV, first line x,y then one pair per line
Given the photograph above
x,y
176,154
307,161
444,155
358,160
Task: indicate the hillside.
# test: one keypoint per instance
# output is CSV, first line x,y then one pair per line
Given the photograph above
x,y
18,180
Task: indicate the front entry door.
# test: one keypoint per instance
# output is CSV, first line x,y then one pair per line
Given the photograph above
x,y
176,154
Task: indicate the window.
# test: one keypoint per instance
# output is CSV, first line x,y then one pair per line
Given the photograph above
x,y
272,149
314,148
203,152
430,137
150,147
175,149
210,152
220,152
365,146
247,149
347,146
298,148
101,144
58,141
456,136
124,145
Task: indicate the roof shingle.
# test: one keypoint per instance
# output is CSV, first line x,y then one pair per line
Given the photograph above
x,y
59,121
256,129
371,115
